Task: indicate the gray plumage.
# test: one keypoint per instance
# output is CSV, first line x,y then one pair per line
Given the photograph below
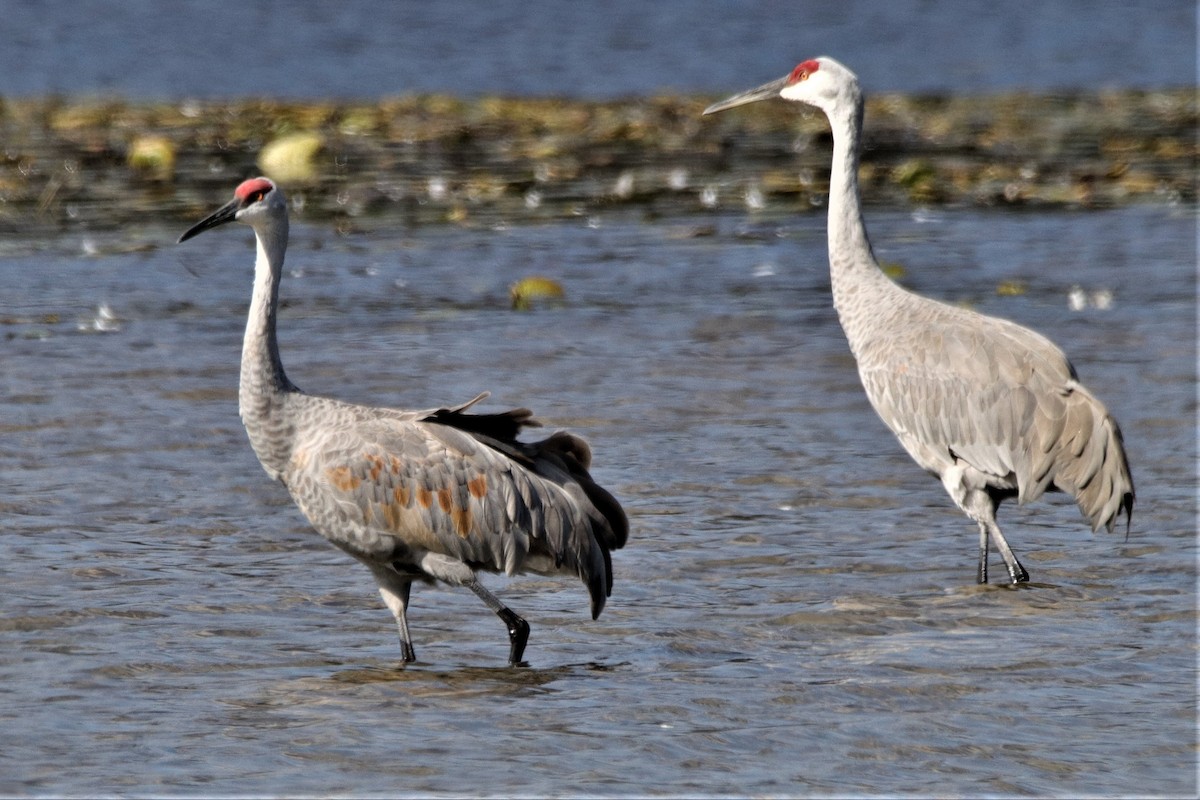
x,y
416,495
993,409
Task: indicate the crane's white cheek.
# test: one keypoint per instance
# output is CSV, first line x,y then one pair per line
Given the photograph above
x,y
797,91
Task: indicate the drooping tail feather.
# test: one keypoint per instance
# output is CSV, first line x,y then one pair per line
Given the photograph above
x,y
1103,503
576,456
1091,464
610,526
565,458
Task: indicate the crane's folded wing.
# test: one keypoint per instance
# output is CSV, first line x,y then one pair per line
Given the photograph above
x,y
975,388
411,485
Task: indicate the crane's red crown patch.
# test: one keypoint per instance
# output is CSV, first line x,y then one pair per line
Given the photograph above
x,y
803,70
255,186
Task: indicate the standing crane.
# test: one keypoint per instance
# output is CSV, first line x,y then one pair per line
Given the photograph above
x,y
432,495
991,408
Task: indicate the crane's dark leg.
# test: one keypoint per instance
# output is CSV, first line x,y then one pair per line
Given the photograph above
x,y
407,654
518,635
980,506
981,576
1015,571
518,629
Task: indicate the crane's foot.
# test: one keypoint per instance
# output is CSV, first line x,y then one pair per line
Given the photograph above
x,y
518,635
1016,573
407,654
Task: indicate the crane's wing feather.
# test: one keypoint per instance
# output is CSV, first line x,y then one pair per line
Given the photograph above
x,y
460,485
1005,400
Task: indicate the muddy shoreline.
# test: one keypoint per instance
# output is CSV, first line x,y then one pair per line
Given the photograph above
x,y
99,164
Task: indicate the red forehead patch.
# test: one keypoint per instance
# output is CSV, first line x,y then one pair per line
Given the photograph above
x,y
803,70
258,186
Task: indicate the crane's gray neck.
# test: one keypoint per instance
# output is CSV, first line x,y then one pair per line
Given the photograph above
x,y
856,278
263,388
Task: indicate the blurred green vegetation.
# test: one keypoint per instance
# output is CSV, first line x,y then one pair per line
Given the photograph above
x,y
106,162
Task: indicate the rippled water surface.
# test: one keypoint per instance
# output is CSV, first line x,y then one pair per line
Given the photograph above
x,y
795,612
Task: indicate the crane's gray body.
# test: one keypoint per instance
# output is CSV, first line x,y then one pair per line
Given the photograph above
x,y
984,403
393,487
991,408
416,495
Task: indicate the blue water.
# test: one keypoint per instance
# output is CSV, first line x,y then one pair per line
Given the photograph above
x,y
169,49
795,613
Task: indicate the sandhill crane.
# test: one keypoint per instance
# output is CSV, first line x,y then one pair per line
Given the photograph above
x,y
991,408
416,495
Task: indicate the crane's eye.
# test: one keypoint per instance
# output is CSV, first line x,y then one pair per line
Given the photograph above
x,y
803,70
255,196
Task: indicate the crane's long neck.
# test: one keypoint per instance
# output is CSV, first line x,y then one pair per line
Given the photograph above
x,y
264,388
858,283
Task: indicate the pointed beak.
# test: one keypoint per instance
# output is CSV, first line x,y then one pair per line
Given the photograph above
x,y
226,213
764,92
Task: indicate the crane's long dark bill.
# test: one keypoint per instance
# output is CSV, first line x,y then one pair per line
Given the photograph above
x,y
764,92
225,213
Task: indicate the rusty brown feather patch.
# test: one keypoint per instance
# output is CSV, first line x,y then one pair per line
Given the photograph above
x,y
477,486
462,521
391,515
343,478
376,466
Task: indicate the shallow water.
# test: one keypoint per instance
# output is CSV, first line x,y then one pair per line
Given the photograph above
x,y
795,612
